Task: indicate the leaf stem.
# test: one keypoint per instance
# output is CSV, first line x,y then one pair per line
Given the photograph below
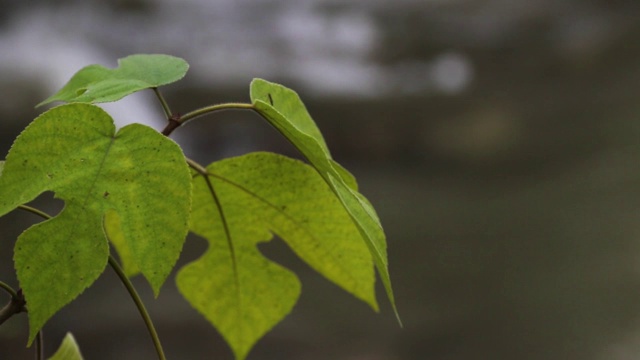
x,y
141,308
163,102
175,120
35,211
8,289
213,108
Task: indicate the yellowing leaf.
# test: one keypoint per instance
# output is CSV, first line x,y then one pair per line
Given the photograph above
x,y
242,202
113,228
74,151
97,84
285,111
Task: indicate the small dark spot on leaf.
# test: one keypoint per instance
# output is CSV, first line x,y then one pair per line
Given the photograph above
x,y
105,195
270,99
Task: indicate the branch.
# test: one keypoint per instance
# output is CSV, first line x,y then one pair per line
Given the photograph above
x,y
16,305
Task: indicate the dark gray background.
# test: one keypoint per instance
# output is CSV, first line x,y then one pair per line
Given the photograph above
x,y
499,141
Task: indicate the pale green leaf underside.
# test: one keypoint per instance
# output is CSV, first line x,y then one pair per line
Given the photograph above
x,y
241,292
98,84
74,151
285,111
68,350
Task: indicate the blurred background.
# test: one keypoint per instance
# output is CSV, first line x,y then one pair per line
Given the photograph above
x,y
499,141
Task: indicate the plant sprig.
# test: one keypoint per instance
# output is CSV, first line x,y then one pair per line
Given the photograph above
x,y
134,189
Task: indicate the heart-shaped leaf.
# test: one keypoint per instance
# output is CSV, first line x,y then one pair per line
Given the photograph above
x,y
97,84
137,173
242,202
283,108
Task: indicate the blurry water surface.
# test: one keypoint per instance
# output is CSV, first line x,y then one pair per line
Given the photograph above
x,y
497,139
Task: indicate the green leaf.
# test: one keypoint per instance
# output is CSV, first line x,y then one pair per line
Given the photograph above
x,y
97,84
283,108
68,350
137,173
241,203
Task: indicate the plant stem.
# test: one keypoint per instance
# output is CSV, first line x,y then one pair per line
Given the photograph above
x,y
116,267
213,108
176,120
163,102
141,309
40,346
8,289
35,211
16,305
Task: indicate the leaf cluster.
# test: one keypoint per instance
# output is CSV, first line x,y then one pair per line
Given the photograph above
x,y
134,191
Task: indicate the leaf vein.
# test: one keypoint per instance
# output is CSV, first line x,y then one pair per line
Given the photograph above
x,y
301,225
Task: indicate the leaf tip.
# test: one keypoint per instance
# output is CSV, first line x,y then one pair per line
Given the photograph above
x,y
256,80
34,329
155,281
156,291
395,309
44,102
397,314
